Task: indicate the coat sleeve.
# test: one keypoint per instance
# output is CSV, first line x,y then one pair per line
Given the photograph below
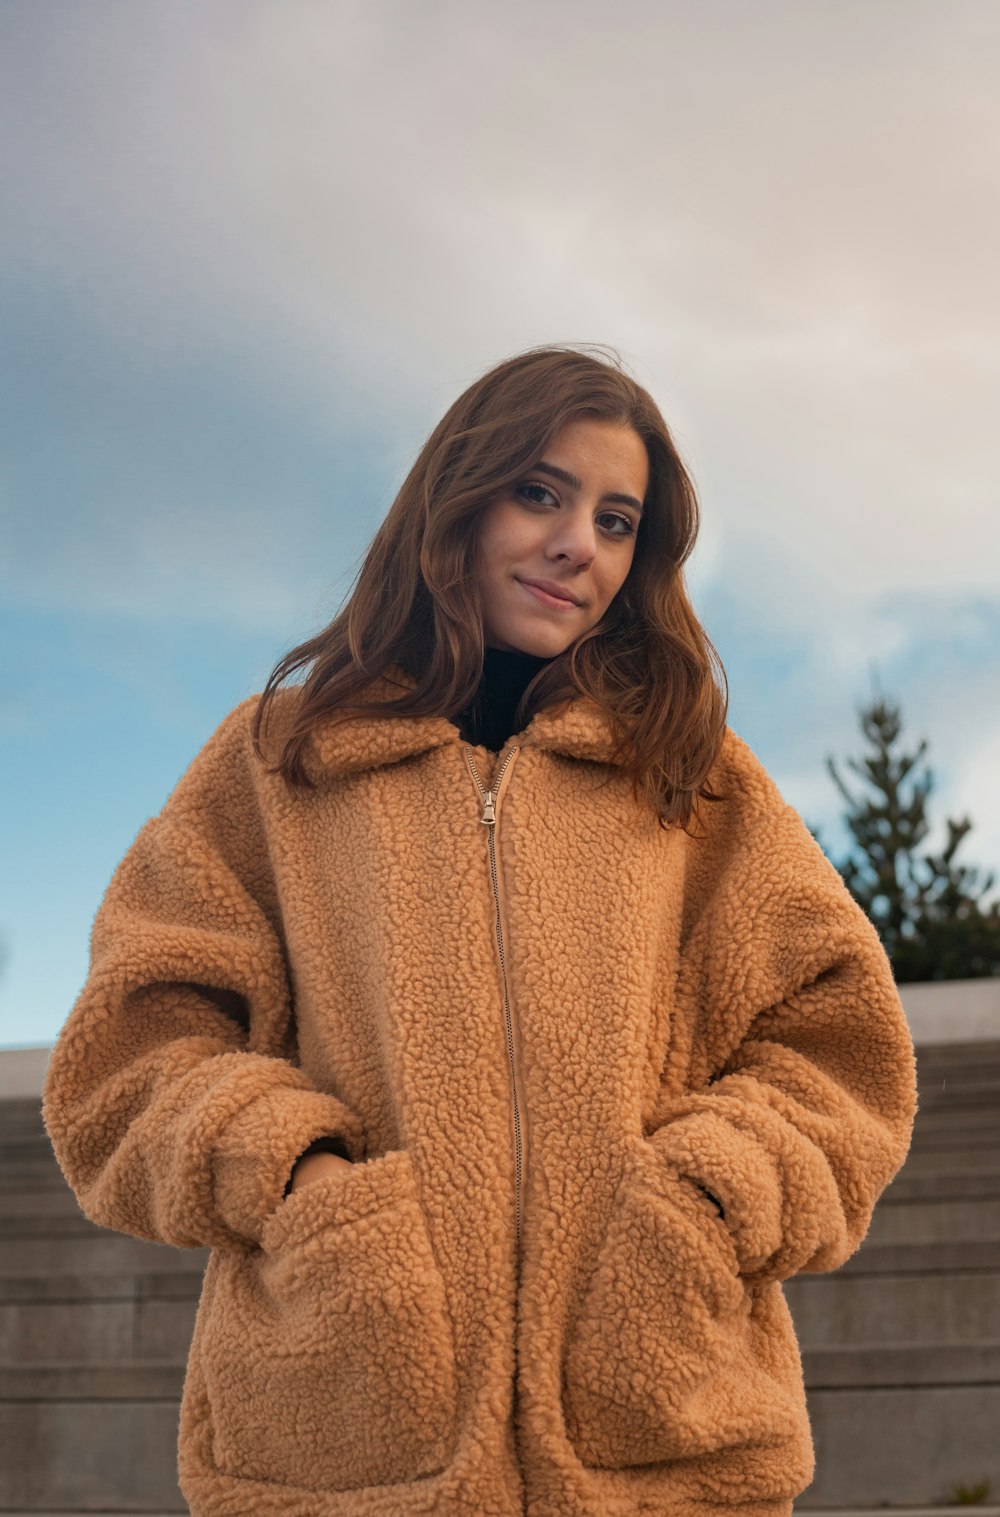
x,y
803,1091
171,1098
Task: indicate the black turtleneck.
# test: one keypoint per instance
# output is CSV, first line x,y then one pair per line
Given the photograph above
x,y
488,720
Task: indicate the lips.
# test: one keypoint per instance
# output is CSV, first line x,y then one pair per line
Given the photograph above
x,y
549,588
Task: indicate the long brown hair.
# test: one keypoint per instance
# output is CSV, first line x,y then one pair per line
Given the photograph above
x,y
648,662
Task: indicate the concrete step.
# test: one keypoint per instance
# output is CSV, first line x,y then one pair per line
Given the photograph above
x,y
931,1221
874,1258
951,1080
874,1366
103,1439
858,1309
52,1226
950,1141
948,1095
953,1128
97,1251
943,1185
902,1446
139,1319
958,1158
945,1053
90,1455
26,1149
974,1102
174,1285
155,1380
51,1202
31,1177
31,1152
60,1227
43,1177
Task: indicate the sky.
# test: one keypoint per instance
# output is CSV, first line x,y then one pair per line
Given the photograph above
x,y
253,249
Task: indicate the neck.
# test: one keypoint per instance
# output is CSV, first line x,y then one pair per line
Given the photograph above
x,y
488,721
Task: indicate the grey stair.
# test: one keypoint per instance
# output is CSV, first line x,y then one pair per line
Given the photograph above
x,y
926,1221
48,1202
947,1256
900,1347
900,1446
962,1159
934,1308
92,1317
93,1455
940,1186
876,1366
155,1381
98,1251
163,1284
94,1332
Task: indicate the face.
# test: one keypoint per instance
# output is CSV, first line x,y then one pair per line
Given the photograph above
x,y
571,519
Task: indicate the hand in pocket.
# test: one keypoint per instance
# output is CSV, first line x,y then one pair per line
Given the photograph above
x,y
657,1346
328,1353
317,1167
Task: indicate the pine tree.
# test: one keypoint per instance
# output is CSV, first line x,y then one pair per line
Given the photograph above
x,y
931,912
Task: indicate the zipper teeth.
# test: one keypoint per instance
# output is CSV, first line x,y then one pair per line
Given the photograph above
x,y
489,818
510,1048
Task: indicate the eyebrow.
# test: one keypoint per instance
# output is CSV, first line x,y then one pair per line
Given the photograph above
x,y
577,484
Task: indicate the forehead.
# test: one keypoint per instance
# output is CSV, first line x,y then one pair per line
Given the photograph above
x,y
596,432
602,454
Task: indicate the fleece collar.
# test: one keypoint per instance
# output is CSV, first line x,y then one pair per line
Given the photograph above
x,y
577,727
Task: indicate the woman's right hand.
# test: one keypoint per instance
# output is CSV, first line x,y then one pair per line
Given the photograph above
x,y
317,1167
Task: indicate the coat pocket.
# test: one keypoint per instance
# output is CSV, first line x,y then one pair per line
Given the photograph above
x,y
328,1353
664,1359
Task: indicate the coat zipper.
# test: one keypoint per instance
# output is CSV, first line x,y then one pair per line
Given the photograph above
x,y
491,800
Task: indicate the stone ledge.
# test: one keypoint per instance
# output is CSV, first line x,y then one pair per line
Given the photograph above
x,y
943,1256
942,1185
878,1366
862,1511
149,1381
80,1286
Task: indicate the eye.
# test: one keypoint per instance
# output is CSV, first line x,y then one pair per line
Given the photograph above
x,y
524,488
626,522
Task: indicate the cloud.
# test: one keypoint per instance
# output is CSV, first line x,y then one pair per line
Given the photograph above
x,y
257,250
779,220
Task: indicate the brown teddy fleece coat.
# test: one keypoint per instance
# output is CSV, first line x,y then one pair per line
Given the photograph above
x,y
549,1032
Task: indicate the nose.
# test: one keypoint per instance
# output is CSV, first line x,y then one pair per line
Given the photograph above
x,y
574,536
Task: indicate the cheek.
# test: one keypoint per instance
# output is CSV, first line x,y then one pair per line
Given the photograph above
x,y
612,580
506,535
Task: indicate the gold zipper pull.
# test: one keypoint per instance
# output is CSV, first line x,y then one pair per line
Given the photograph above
x,y
488,815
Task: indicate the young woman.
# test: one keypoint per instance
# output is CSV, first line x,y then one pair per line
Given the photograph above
x,y
483,1007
